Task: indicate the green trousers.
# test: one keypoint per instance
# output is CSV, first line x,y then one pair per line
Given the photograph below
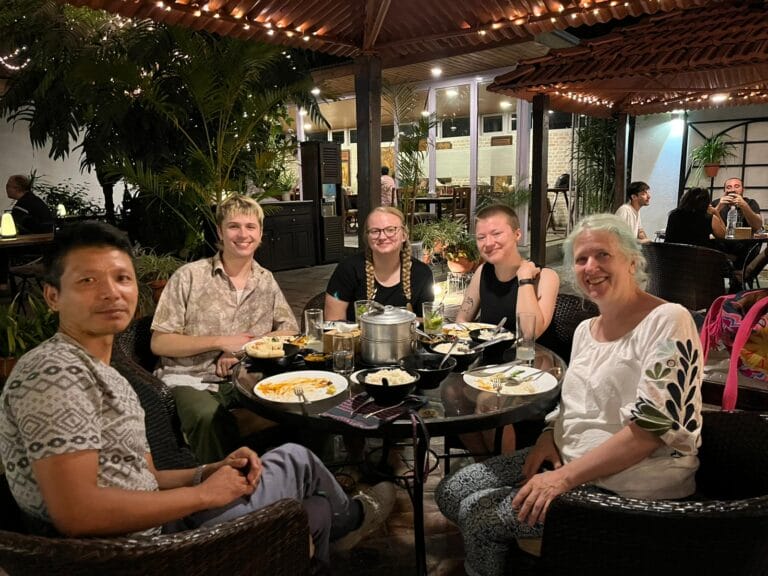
x,y
208,425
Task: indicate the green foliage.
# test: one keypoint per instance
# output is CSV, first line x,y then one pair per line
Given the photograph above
x,y
450,235
74,197
513,198
714,150
595,160
151,266
24,327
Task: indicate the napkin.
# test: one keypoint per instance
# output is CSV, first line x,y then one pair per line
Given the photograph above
x,y
343,412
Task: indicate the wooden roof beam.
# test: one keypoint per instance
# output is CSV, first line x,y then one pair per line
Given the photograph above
x,y
375,13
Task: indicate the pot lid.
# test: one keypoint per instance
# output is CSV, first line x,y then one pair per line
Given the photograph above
x,y
388,316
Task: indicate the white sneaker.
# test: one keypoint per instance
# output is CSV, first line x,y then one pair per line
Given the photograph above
x,y
377,504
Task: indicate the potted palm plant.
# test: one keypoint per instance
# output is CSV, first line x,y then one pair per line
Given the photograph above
x,y
461,253
711,154
154,270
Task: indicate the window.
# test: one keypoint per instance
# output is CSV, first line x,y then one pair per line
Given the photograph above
x,y
513,123
559,120
493,123
316,136
453,127
338,136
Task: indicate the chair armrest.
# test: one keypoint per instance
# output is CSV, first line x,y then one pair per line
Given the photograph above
x,y
271,541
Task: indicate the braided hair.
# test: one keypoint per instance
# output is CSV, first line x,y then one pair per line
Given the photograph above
x,y
405,260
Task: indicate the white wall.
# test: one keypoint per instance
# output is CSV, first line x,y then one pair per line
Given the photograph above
x,y
18,157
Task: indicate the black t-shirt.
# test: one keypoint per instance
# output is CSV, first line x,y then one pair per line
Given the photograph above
x,y
348,284
497,298
686,227
32,215
741,221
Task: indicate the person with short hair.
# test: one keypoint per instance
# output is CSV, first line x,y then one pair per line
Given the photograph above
x,y
694,220
748,209
629,418
30,214
73,439
385,272
207,312
388,188
638,195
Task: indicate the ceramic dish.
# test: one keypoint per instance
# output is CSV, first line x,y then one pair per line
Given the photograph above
x,y
462,330
317,385
543,381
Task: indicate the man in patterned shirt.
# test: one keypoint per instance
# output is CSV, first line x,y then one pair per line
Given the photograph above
x,y
72,434
208,310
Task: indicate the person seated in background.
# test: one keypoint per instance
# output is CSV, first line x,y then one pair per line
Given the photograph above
x,y
629,419
638,195
386,272
504,284
208,310
694,220
748,209
73,439
30,214
388,188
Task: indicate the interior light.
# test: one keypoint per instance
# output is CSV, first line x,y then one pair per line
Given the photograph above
x,y
505,104
437,72
307,126
425,113
717,98
451,93
315,91
7,225
61,211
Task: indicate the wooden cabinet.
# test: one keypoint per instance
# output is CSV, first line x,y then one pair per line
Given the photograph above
x,y
321,183
288,240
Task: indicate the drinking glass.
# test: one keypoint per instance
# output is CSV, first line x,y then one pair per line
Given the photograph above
x,y
343,354
526,336
433,314
361,307
313,328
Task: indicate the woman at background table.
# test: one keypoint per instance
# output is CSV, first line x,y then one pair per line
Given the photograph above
x,y
629,418
385,272
506,283
694,220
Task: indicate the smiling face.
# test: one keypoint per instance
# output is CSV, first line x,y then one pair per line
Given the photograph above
x,y
97,293
603,271
384,232
496,239
240,236
734,186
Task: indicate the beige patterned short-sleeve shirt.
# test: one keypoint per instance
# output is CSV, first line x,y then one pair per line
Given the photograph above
x,y
200,300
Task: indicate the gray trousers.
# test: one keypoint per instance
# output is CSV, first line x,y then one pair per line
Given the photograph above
x,y
291,471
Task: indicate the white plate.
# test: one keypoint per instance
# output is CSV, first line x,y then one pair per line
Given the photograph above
x,y
353,376
462,330
338,382
443,348
543,383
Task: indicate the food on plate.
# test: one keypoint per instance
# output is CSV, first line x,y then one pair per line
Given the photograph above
x,y
270,347
299,340
510,386
460,349
316,357
488,335
394,377
313,388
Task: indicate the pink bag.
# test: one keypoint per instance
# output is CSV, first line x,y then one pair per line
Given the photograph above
x,y
739,322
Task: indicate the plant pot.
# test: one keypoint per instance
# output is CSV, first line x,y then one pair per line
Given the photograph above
x,y
157,287
461,265
711,170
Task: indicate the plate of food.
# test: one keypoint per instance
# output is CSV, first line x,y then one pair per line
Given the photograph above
x,y
462,330
271,347
517,381
316,384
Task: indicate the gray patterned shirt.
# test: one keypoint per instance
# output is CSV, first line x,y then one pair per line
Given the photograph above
x,y
58,400
200,300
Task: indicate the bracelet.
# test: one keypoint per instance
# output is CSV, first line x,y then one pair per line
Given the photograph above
x,y
198,477
525,282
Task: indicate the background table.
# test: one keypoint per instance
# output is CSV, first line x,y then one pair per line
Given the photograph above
x,y
10,245
453,408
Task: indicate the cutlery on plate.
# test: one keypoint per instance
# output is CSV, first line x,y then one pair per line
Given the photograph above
x,y
498,327
491,369
447,354
299,391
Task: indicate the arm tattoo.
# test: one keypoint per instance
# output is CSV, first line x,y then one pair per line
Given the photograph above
x,y
468,304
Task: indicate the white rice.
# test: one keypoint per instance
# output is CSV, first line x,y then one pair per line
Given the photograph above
x,y
394,377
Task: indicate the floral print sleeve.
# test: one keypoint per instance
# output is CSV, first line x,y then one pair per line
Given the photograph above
x,y
669,391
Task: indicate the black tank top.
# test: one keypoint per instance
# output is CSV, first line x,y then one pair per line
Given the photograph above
x,y
497,298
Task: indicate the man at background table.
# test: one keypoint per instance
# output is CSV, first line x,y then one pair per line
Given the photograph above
x,y
638,195
388,188
30,213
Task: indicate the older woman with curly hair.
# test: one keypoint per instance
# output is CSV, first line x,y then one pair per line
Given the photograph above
x,y
385,272
629,418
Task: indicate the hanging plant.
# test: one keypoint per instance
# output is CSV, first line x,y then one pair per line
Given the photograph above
x,y
708,156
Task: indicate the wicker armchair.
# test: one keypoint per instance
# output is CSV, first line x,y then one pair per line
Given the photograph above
x,y
722,530
570,310
689,275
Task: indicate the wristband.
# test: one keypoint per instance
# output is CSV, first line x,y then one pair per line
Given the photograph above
x,y
525,282
198,477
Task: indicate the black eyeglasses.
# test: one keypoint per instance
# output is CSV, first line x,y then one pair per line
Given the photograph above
x,y
389,231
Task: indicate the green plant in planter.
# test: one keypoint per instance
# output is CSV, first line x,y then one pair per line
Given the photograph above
x,y
710,154
151,266
461,246
23,328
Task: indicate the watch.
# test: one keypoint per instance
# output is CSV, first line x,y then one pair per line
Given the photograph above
x,y
525,281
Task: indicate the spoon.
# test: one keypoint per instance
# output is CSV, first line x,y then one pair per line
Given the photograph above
x,y
447,354
498,327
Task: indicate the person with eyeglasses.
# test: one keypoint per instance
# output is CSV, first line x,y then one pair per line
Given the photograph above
x,y
385,272
506,283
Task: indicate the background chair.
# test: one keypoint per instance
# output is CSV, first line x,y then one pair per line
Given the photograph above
x,y
460,208
570,310
689,275
723,529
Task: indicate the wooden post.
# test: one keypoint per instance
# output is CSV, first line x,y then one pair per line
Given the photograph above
x,y
539,212
620,185
368,108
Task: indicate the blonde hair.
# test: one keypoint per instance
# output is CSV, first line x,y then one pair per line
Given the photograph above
x,y
237,204
405,257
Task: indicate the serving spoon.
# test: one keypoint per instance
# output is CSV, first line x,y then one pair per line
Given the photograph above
x,y
447,354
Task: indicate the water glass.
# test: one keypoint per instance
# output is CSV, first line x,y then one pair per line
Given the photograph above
x,y
526,336
343,354
313,328
433,314
361,307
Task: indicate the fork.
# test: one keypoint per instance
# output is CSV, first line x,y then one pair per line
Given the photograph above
x,y
497,381
299,391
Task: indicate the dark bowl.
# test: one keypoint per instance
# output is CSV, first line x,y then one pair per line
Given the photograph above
x,y
270,364
426,366
317,360
391,394
495,349
463,353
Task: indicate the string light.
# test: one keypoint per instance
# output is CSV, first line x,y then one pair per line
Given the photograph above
x,y
7,61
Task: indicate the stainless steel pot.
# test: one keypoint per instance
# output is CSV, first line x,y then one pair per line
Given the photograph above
x,y
386,335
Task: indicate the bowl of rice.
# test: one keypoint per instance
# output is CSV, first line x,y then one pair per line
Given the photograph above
x,y
388,385
463,352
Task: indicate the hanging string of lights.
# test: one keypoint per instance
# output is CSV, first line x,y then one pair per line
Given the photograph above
x,y
13,62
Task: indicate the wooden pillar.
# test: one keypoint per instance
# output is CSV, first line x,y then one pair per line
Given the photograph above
x,y
620,185
368,108
539,212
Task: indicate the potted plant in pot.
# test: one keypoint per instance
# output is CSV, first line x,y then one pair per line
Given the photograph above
x,y
461,253
711,154
153,270
22,328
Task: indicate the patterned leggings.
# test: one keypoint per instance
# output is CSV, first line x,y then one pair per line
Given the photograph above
x,y
478,499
